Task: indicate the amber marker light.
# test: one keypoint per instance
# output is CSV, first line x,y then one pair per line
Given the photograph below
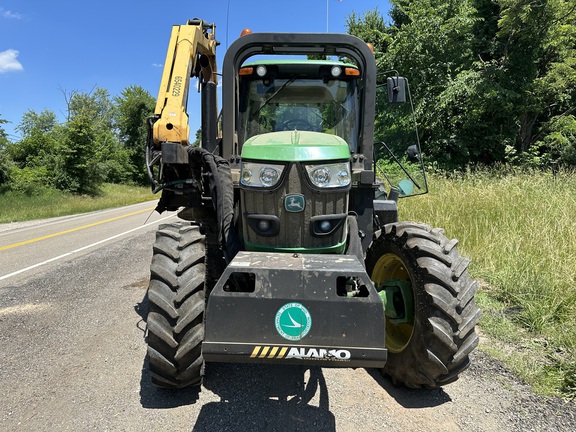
x,y
351,72
370,46
246,71
245,32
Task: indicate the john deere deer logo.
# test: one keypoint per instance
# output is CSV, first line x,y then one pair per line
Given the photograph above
x,y
294,203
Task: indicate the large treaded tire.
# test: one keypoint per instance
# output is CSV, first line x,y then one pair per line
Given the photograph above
x,y
433,349
176,300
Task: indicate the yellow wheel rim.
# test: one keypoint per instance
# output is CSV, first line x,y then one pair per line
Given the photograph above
x,y
391,267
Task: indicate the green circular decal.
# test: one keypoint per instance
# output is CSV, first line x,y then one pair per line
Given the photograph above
x,y
293,321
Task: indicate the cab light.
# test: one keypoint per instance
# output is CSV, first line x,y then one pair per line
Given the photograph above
x,y
245,32
261,71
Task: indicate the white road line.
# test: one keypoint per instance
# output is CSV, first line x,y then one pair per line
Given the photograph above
x,y
9,275
5,228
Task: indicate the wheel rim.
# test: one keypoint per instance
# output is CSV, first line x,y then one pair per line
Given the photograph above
x,y
390,267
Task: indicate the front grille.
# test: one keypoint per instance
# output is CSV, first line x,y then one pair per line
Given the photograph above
x,y
294,230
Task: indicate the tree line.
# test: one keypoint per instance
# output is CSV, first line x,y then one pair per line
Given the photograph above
x,y
101,140
493,81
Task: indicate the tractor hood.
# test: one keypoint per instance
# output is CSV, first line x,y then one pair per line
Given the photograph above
x,y
295,146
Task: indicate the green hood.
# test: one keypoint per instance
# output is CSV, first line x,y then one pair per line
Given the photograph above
x,y
295,146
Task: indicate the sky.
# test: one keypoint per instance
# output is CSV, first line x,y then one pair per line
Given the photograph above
x,y
50,48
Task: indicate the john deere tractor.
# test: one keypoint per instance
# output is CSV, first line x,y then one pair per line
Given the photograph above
x,y
289,250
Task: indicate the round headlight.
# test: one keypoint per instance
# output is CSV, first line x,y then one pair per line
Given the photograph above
x,y
320,176
268,176
246,176
344,178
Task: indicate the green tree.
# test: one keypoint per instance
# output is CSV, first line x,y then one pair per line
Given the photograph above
x,y
32,121
134,105
32,169
486,75
429,42
371,28
36,143
3,135
95,104
92,135
77,164
198,139
78,160
101,140
5,160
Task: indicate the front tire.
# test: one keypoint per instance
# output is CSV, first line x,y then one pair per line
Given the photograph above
x,y
176,300
431,313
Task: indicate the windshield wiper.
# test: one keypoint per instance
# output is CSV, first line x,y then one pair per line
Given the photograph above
x,y
290,81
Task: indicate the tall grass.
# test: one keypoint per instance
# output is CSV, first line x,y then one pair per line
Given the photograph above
x,y
51,203
520,231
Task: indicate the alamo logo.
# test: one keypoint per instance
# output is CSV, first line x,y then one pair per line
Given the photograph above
x,y
318,354
276,352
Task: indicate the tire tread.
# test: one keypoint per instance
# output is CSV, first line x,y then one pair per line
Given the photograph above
x,y
446,314
176,306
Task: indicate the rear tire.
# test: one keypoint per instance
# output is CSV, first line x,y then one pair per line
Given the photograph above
x,y
431,347
176,301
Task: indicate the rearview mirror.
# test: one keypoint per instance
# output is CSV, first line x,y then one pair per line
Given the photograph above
x,y
396,89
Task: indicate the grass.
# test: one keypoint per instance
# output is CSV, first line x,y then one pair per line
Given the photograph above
x,y
18,207
520,231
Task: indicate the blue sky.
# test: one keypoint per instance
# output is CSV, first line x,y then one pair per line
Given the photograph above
x,y
47,48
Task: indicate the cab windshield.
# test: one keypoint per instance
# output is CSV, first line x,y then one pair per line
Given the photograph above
x,y
299,103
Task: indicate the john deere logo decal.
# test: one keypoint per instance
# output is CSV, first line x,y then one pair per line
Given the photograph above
x,y
294,203
293,321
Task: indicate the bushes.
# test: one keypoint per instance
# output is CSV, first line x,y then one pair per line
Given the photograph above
x,y
102,141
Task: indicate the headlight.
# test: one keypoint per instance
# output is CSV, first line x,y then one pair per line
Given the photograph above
x,y
329,175
260,175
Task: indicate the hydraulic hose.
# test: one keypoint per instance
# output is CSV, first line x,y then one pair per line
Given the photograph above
x,y
222,193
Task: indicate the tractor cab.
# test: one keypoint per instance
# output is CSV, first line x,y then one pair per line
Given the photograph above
x,y
297,125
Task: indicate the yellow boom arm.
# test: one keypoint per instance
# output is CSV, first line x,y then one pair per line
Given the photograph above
x,y
192,49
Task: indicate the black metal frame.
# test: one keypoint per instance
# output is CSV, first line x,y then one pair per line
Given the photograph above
x,y
293,44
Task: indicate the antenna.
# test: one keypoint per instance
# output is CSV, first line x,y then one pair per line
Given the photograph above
x,y
327,15
227,20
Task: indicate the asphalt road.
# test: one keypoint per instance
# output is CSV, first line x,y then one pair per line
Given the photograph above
x,y
73,356
25,247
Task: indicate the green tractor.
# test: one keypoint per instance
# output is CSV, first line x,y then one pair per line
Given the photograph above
x,y
290,250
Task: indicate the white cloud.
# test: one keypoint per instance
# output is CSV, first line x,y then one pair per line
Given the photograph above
x,y
9,14
8,61
157,65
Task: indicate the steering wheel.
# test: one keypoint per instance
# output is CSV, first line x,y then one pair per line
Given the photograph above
x,y
297,123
